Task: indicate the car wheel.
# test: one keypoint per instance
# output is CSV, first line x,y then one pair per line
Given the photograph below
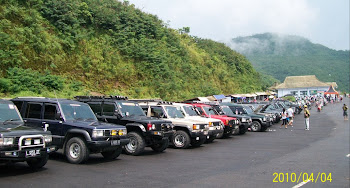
x,y
136,144
181,140
110,155
38,162
76,150
161,146
256,126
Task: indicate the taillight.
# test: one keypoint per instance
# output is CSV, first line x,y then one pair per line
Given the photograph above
x,y
151,126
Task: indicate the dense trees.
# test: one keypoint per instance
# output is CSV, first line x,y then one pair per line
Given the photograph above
x,y
113,48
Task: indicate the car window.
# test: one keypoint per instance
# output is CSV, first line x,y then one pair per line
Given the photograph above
x,y
96,108
157,112
33,110
50,111
108,109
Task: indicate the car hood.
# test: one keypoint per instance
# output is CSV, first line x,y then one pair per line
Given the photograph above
x,y
145,119
21,130
93,124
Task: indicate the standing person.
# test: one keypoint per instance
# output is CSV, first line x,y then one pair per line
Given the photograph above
x,y
345,112
290,115
307,117
284,118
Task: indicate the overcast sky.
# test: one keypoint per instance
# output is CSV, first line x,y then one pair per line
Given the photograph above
x,y
324,22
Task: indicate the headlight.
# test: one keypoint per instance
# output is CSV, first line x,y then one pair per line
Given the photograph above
x,y
48,138
196,127
6,141
244,120
122,132
210,124
97,133
264,119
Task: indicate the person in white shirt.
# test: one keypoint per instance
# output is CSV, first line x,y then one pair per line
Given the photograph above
x,y
284,118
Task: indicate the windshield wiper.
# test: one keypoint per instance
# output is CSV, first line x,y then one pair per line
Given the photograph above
x,y
10,120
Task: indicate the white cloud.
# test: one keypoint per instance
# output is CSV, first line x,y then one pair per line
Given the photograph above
x,y
225,19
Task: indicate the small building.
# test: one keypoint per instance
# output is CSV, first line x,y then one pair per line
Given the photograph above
x,y
302,86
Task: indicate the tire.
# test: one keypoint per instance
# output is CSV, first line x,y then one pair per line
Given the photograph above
x,y
111,155
211,139
76,150
38,162
237,131
256,126
160,147
242,130
220,135
181,140
197,143
136,145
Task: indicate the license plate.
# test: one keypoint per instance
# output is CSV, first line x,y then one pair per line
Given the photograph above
x,y
205,132
32,153
115,142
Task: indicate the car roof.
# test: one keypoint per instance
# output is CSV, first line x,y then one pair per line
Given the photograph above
x,y
44,99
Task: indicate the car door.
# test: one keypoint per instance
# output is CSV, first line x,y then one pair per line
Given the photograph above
x,y
109,113
53,123
32,114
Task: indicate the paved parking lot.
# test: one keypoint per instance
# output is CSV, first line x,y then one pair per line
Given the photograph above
x,y
248,160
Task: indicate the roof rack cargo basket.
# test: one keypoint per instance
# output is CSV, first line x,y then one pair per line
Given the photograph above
x,y
99,98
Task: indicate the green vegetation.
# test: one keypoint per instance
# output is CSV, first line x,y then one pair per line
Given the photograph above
x,y
110,47
281,56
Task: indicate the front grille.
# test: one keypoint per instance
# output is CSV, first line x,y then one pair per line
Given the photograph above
x,y
202,126
216,123
231,122
31,141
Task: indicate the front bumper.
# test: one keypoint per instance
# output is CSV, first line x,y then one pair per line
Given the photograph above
x,y
25,154
266,123
160,133
245,125
98,146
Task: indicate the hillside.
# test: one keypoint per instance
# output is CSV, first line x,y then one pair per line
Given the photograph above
x,y
68,47
286,55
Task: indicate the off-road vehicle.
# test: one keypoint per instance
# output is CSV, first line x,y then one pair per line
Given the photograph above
x,y
231,124
260,122
19,143
245,120
215,126
187,131
74,127
142,130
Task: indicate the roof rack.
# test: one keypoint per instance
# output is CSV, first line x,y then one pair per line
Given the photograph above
x,y
99,98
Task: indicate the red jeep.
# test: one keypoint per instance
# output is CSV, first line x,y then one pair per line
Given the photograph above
x,y
231,123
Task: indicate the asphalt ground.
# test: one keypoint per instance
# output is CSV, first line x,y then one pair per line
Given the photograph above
x,y
250,160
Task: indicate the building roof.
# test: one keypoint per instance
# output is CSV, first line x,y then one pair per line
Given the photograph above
x,y
301,82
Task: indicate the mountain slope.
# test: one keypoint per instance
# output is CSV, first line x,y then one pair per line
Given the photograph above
x,y
286,55
110,47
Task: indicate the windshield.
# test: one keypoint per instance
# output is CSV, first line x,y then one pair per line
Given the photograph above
x,y
209,110
77,112
9,113
190,111
248,110
258,108
173,112
132,108
227,110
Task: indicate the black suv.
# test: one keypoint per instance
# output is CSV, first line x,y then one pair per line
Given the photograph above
x,y
142,130
260,122
19,143
74,127
245,120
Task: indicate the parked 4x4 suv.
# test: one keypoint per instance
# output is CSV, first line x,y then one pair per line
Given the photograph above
x,y
19,143
187,131
74,127
142,130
